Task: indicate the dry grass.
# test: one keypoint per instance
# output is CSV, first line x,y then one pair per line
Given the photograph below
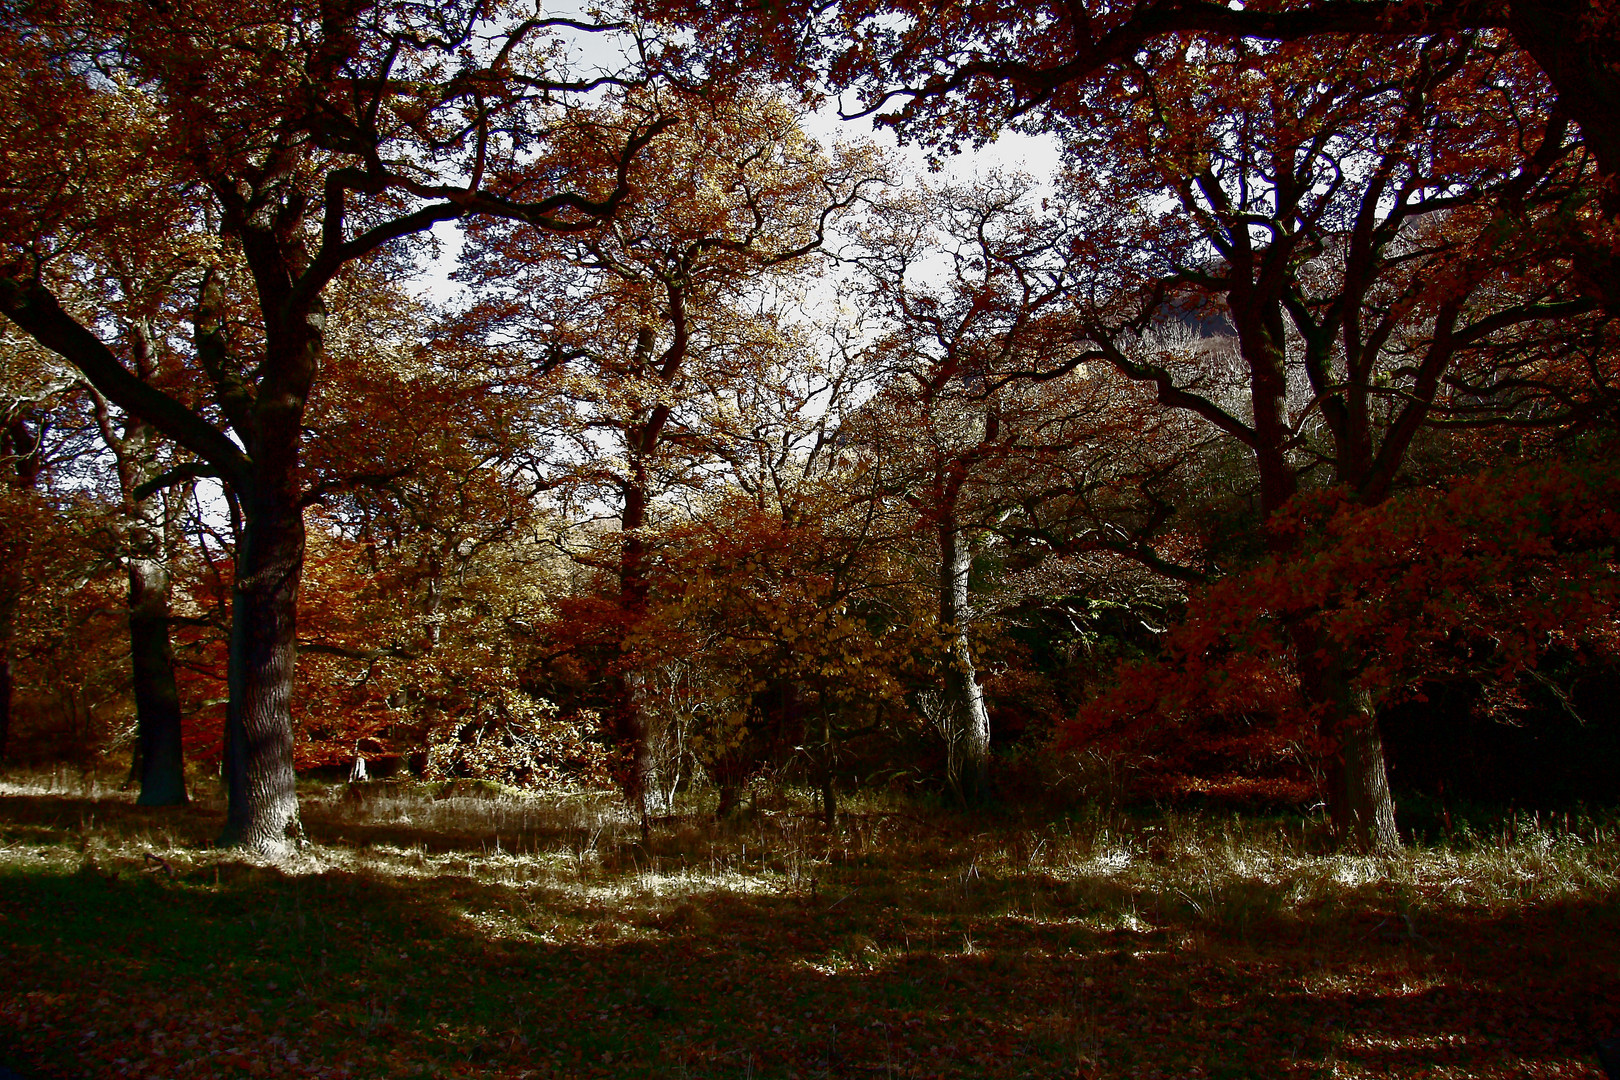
x,y
475,931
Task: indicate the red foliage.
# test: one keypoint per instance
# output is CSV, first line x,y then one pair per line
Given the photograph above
x,y
1478,582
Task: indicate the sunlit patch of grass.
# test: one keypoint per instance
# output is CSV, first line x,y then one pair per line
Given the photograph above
x,y
537,929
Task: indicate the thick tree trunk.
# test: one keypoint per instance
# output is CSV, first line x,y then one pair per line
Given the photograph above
x,y
1578,47
1359,801
262,809
10,588
1361,808
157,699
962,708
157,762
630,731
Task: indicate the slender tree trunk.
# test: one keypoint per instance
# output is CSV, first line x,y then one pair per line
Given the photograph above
x,y
966,720
1360,805
829,759
630,722
262,810
5,706
157,699
20,441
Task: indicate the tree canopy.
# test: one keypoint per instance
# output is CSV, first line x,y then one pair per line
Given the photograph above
x,y
729,452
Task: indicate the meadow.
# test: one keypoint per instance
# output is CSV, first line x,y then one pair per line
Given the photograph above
x,y
469,930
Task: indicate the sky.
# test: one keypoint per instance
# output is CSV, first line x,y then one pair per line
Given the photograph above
x,y
1012,151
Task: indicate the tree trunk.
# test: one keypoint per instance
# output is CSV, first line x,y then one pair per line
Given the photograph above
x,y
829,760
1578,47
630,721
10,593
159,760
1360,806
1359,801
630,732
962,709
5,706
157,699
262,809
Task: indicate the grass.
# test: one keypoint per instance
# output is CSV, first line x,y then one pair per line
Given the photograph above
x,y
472,931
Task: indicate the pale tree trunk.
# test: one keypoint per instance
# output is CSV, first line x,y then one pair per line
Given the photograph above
x,y
262,810
1361,808
963,715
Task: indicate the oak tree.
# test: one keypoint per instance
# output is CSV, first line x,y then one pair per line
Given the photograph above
x,y
321,136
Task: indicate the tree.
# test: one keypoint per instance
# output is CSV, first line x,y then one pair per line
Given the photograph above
x,y
964,71
1475,582
631,331
972,450
322,138
1362,236
428,570
20,457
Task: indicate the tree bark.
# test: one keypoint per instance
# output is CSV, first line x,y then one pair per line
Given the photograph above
x,y
157,699
962,709
20,441
630,731
262,809
158,758
5,706
630,722
1361,808
630,727
829,762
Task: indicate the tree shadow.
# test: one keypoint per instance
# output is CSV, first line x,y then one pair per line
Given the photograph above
x,y
923,965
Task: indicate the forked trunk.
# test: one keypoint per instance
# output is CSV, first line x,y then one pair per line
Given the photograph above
x,y
262,810
157,700
963,715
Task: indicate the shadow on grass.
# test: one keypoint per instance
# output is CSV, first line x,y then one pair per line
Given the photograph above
x,y
904,963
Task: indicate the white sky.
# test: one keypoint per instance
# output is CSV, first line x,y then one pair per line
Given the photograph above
x,y
1034,155
1012,152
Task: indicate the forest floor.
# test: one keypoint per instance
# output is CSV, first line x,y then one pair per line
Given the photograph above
x,y
484,934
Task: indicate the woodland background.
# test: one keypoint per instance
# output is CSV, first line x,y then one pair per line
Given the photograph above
x,y
811,588
1267,439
